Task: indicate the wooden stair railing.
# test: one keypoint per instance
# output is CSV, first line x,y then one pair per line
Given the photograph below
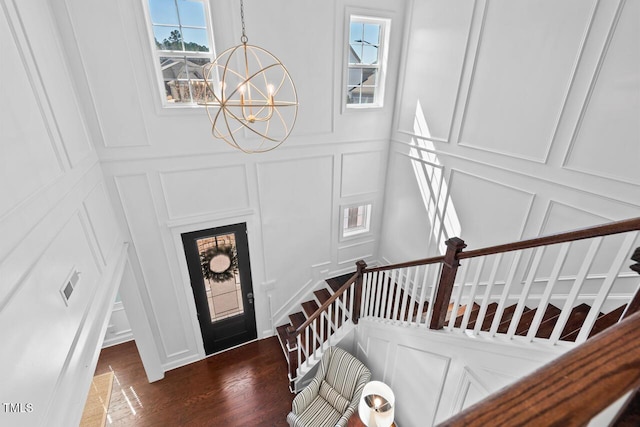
x,y
420,292
295,343
405,304
570,390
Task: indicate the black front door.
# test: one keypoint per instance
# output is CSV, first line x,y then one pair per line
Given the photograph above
x,y
218,261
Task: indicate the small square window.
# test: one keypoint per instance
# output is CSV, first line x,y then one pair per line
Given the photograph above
x,y
366,62
356,220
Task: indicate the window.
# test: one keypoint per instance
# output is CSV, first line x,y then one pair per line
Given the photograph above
x,y
182,44
356,220
367,57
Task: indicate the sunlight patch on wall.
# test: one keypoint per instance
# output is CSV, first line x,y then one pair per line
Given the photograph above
x,y
429,174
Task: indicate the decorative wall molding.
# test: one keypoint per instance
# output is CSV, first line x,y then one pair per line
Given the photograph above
x,y
403,66
221,174
524,173
467,379
563,103
588,100
129,214
208,218
531,196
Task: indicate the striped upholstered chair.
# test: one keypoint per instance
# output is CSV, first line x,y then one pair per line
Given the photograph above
x,y
333,394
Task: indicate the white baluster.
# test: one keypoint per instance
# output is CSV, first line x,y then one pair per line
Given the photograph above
x,y
616,265
515,320
487,294
575,289
497,318
544,301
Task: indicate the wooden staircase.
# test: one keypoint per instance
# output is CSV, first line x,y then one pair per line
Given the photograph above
x,y
428,293
549,319
308,308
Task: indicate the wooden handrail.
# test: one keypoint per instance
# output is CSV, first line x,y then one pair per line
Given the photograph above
x,y
580,234
570,390
327,303
423,261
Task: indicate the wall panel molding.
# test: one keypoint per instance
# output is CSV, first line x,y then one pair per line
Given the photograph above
x,y
536,175
595,79
544,156
139,237
220,182
465,52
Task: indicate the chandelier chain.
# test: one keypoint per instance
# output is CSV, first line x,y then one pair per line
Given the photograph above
x,y
244,38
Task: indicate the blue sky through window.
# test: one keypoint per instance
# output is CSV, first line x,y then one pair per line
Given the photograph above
x,y
172,15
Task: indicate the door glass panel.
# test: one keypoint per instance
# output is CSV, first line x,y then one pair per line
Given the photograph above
x,y
219,263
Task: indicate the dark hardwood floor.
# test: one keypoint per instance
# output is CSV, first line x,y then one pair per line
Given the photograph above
x,y
246,386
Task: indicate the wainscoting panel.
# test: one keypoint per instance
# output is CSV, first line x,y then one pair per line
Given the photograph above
x,y
361,173
196,192
60,104
477,200
611,111
119,107
504,104
350,253
561,217
295,200
101,218
432,369
52,323
137,202
28,150
429,89
434,374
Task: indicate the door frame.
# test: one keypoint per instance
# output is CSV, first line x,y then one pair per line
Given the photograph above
x,y
226,333
186,225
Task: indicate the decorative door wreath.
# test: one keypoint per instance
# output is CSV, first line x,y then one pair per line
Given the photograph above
x,y
219,264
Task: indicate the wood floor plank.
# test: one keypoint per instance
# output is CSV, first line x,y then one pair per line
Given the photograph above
x,y
246,386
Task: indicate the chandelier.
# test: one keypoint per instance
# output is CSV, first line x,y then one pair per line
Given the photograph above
x,y
257,96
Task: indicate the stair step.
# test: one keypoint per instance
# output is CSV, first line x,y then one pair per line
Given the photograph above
x,y
472,317
527,318
602,322
309,307
606,320
282,336
336,283
507,315
297,319
460,312
575,320
488,317
322,295
546,327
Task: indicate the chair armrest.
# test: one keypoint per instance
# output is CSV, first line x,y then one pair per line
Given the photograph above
x,y
302,399
353,406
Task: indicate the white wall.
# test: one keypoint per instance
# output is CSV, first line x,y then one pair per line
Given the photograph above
x,y
436,374
167,175
56,220
527,110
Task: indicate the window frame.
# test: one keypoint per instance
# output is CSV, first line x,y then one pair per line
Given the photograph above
x,y
156,53
359,232
383,55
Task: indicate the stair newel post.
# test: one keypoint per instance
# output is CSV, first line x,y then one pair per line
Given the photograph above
x,y
445,284
357,297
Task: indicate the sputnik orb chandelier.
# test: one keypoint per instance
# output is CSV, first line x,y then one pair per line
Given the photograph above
x,y
258,96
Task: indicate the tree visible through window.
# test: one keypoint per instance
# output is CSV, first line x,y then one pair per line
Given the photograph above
x,y
182,46
366,60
